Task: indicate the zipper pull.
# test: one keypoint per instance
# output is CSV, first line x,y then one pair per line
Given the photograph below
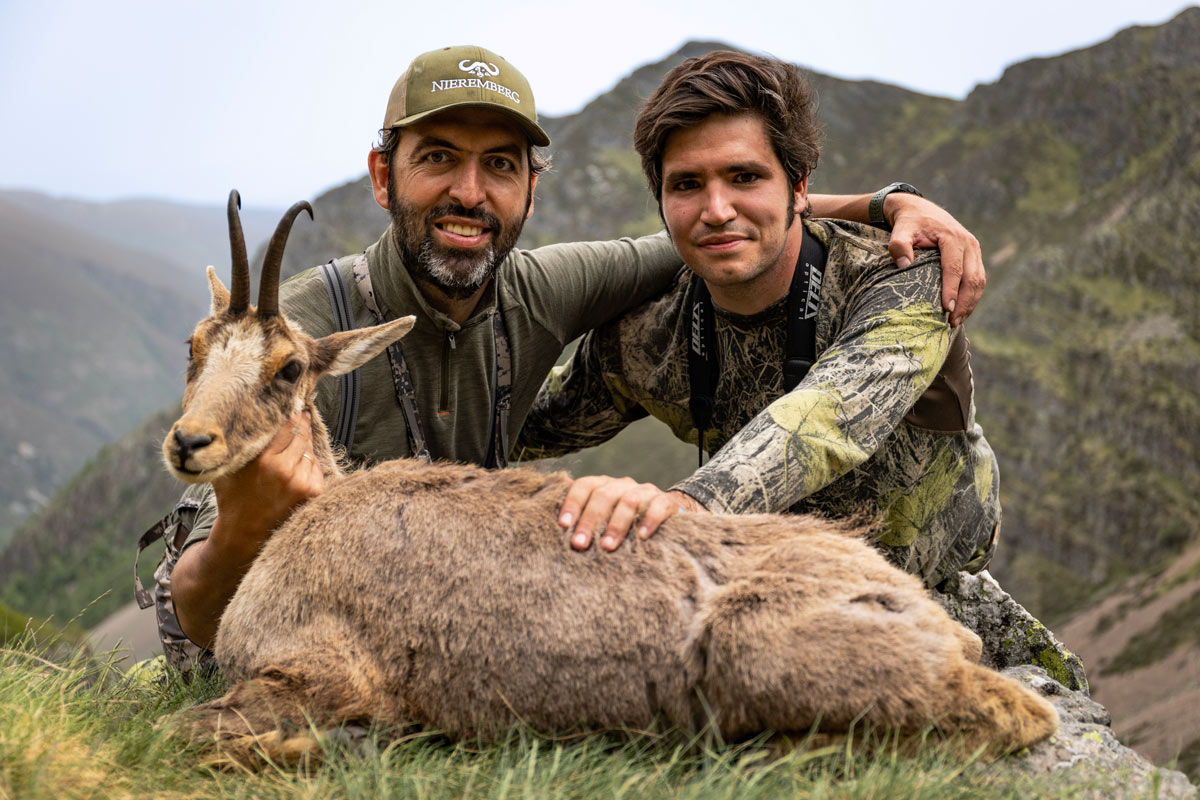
x,y
450,336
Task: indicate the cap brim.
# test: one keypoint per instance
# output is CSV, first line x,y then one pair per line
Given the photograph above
x,y
536,135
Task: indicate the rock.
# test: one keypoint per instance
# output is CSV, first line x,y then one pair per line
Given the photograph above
x,y
1084,755
1011,636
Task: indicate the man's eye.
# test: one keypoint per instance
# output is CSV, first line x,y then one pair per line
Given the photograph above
x,y
502,164
438,157
745,177
684,186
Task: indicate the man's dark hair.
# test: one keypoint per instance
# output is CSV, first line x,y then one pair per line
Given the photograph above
x,y
725,82
389,138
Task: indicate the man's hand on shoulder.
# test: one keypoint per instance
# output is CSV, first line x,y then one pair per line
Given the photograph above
x,y
612,506
916,222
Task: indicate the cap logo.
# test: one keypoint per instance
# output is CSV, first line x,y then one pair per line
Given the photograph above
x,y
479,68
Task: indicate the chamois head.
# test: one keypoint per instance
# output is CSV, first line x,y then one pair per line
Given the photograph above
x,y
249,370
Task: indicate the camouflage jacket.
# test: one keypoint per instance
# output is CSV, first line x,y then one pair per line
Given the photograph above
x,y
884,422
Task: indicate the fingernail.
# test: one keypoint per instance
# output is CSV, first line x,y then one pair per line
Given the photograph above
x,y
950,306
643,532
903,262
579,540
565,520
608,543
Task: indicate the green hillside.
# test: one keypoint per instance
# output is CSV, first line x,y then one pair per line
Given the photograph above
x,y
77,552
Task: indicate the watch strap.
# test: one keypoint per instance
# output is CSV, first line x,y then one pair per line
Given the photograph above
x,y
875,207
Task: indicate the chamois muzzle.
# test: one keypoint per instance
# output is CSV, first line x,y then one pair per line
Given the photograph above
x,y
186,445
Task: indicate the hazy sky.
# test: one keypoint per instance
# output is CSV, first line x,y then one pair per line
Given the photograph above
x,y
182,99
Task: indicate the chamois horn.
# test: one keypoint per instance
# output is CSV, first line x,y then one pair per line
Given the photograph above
x,y
268,285
239,293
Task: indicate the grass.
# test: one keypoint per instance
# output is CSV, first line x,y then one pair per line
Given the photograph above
x,y
81,728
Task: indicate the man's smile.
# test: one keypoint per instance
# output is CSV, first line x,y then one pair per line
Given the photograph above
x,y
722,242
460,233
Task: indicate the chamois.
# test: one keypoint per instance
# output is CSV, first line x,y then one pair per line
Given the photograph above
x,y
447,596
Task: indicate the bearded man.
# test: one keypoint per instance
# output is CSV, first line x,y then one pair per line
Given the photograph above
x,y
456,168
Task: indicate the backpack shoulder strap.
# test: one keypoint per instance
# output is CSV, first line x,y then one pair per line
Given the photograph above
x,y
343,317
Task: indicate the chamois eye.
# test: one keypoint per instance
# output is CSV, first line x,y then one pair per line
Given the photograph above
x,y
189,344
290,372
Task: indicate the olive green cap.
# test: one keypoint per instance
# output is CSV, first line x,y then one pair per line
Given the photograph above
x,y
466,76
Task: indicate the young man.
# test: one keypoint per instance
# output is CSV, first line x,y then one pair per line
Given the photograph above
x,y
456,169
883,421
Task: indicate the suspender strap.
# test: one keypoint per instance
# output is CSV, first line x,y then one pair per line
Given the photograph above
x,y
406,395
339,299
804,300
498,457
401,376
144,598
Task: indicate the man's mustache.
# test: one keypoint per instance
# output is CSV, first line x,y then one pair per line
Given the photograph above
x,y
484,218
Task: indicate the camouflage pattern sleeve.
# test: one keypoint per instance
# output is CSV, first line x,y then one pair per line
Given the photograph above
x,y
579,405
192,520
891,341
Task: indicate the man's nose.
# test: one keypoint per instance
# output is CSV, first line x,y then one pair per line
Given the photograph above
x,y
467,187
717,208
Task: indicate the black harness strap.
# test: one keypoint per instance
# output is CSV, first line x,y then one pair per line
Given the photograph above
x,y
804,300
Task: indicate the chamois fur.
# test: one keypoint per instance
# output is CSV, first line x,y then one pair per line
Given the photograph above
x,y
447,596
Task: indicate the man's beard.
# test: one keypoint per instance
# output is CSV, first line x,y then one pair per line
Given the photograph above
x,y
458,273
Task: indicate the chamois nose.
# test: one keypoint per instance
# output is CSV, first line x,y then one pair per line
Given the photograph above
x,y
184,445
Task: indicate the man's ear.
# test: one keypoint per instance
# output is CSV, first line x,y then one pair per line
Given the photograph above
x,y
532,185
344,351
800,191
378,167
220,295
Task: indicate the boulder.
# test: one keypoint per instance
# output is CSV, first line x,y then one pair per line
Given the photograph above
x,y
1011,636
1084,755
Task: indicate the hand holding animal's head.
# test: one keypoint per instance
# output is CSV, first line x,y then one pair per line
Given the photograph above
x,y
249,370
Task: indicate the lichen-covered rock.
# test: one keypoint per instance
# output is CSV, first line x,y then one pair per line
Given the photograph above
x,y
1011,636
1084,755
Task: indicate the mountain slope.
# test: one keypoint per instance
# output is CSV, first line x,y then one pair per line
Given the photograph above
x,y
188,236
77,552
97,300
94,339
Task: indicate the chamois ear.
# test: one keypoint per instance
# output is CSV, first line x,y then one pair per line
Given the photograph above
x,y
220,295
344,351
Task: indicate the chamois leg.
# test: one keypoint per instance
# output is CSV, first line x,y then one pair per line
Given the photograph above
x,y
782,656
984,709
273,714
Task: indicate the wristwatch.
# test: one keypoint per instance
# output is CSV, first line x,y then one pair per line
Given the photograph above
x,y
875,209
